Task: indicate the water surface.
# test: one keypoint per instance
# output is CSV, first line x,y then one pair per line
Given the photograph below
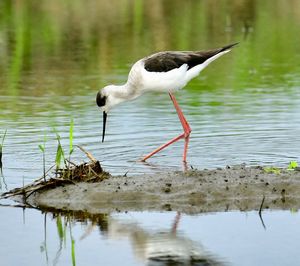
x,y
232,238
244,107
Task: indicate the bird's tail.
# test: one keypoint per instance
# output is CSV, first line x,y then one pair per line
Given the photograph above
x,y
208,57
228,47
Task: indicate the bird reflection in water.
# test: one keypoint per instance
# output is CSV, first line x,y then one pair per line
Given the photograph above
x,y
161,248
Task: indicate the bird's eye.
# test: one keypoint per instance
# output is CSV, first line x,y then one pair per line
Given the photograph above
x,y
100,99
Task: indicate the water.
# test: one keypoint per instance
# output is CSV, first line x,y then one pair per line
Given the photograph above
x,y
232,238
244,107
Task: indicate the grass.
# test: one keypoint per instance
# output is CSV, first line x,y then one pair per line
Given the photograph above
x,y
70,173
275,170
272,170
1,152
1,147
71,149
71,137
60,155
292,165
42,147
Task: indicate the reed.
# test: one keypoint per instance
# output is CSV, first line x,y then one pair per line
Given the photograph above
x,y
42,148
60,155
1,146
71,149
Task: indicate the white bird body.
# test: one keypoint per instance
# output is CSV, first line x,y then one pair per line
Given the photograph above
x,y
140,81
162,72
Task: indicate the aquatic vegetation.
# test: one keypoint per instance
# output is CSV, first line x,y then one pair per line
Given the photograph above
x,y
69,173
71,149
42,147
292,165
1,152
272,170
60,155
1,147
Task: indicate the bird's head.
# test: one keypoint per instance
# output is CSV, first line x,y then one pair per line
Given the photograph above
x,y
106,99
102,101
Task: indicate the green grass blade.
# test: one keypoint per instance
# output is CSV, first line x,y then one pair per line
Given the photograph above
x,y
59,155
3,138
42,148
71,136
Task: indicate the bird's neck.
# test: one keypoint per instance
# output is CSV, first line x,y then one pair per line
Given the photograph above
x,y
125,92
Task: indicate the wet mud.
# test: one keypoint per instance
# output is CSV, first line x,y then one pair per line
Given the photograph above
x,y
195,191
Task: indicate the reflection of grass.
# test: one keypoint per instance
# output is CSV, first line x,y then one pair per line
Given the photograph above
x,y
38,33
73,251
61,225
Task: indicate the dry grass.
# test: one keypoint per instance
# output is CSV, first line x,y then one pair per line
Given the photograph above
x,y
73,173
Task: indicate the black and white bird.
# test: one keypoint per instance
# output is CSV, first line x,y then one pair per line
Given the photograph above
x,y
161,72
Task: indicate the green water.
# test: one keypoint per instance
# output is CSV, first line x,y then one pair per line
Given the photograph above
x,y
56,55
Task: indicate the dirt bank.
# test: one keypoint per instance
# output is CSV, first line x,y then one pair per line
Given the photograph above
x,y
195,191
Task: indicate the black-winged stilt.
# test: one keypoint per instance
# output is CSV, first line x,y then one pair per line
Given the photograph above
x,y
165,72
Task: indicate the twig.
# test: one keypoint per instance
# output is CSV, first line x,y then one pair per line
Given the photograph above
x,y
89,155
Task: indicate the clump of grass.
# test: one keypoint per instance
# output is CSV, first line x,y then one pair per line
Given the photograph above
x,y
272,170
70,173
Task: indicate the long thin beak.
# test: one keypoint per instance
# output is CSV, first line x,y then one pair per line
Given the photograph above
x,y
104,124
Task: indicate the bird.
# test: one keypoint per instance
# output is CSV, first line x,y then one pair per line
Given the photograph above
x,y
166,71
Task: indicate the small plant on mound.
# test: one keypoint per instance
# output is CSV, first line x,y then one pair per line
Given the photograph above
x,y
292,165
272,170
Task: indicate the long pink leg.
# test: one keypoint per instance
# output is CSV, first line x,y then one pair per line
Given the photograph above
x,y
186,127
186,135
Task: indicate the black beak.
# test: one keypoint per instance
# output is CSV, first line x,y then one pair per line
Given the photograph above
x,y
104,124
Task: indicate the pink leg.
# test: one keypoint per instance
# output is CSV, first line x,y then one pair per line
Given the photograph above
x,y
186,127
186,135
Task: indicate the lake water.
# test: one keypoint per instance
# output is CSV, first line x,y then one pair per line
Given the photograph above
x,y
233,238
245,107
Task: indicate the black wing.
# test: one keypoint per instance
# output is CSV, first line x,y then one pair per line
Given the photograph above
x,y
166,61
